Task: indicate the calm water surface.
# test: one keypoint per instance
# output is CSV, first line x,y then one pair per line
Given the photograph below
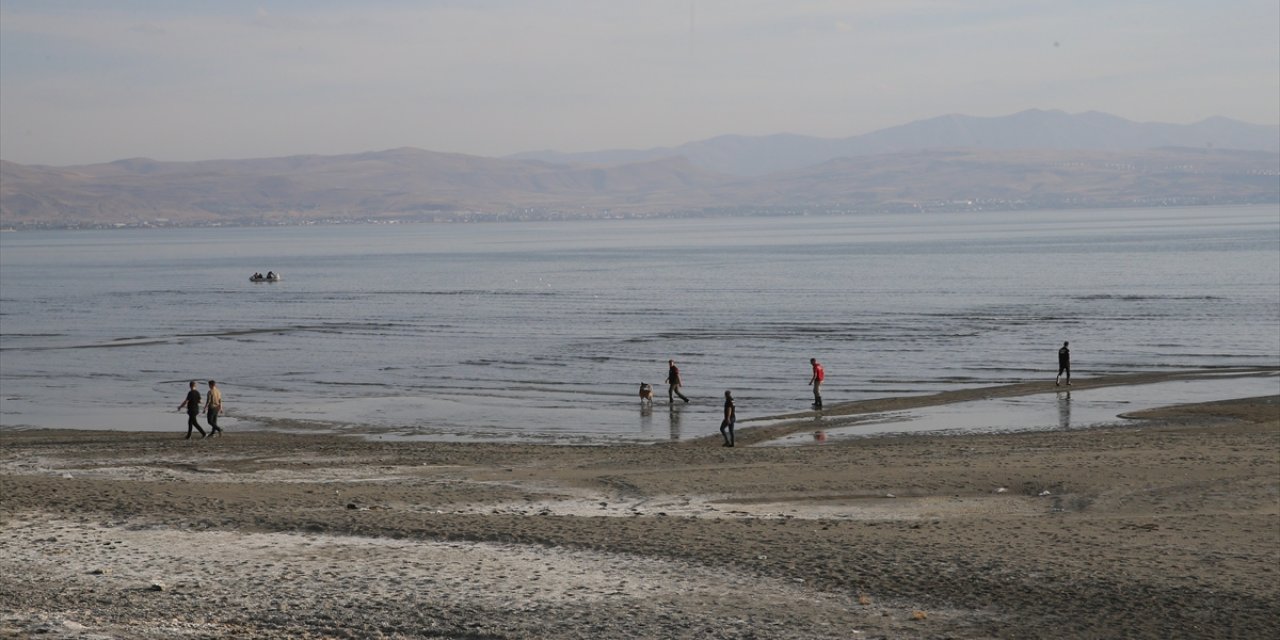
x,y
545,330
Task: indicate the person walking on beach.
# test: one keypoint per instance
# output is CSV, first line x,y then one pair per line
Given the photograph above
x,y
213,407
192,403
730,417
1064,364
816,380
673,382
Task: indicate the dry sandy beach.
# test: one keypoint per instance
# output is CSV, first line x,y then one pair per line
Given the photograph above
x,y
1166,529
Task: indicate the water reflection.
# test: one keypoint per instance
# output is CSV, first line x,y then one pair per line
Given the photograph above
x,y
646,417
675,420
1064,410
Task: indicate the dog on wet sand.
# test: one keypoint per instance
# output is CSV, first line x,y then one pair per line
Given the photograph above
x,y
646,393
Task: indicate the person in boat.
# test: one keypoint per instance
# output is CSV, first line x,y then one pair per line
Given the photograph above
x,y
271,275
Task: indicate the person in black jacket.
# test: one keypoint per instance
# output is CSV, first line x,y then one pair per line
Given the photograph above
x,y
730,417
192,403
1064,364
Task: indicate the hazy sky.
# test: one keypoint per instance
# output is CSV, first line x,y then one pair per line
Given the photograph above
x,y
94,81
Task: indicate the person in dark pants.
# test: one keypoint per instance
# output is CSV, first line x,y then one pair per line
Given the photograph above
x,y
1064,364
213,408
192,403
730,417
673,382
816,381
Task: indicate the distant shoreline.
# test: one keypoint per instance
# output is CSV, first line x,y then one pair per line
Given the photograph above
x,y
514,217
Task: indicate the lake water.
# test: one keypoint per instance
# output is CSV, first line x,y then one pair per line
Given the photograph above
x,y
545,330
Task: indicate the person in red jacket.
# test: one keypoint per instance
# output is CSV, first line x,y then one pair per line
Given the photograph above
x,y
816,380
673,380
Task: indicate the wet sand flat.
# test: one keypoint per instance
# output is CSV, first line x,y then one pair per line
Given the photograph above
x,y
1170,528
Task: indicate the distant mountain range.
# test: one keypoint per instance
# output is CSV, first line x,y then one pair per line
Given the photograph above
x,y
1027,160
1034,129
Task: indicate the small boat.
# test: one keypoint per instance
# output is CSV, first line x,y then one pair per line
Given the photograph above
x,y
270,277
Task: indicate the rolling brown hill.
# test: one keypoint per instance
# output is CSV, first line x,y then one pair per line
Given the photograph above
x,y
415,184
395,183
